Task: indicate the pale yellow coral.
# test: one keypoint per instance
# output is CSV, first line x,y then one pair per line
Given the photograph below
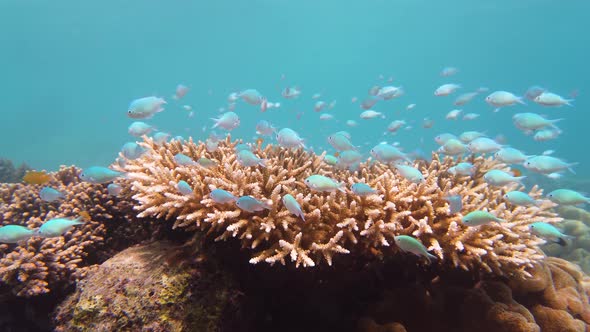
x,y
336,222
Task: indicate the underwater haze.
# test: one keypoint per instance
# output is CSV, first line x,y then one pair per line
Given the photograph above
x,y
70,70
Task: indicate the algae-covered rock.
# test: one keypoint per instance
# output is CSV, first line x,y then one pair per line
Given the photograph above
x,y
156,287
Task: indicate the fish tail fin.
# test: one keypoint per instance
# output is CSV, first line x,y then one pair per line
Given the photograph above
x,y
341,187
569,167
568,102
431,257
520,178
520,100
262,163
216,123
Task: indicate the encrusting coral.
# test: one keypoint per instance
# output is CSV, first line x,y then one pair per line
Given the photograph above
x,y
37,265
337,222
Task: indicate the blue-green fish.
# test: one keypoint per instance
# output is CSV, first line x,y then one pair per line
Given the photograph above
x,y
160,137
227,121
288,138
462,169
547,165
184,160
567,197
293,206
410,173
14,233
362,189
455,203
386,153
410,244
531,121
549,232
520,198
349,157
247,159
132,150
57,227
341,141
184,188
114,189
207,163
497,177
330,159
50,195
323,183
221,196
477,218
145,108
251,204
139,128
98,174
511,156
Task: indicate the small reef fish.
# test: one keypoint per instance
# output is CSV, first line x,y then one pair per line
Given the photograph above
x,y
290,92
288,138
533,92
341,141
323,184
114,189
184,188
207,163
57,227
410,173
531,121
547,134
362,189
160,137
370,114
455,203
520,198
469,136
139,128
477,218
448,71
184,160
221,196
145,108
453,147
251,96
567,197
394,126
484,145
410,107
443,138
227,121
453,114
36,177
330,159
464,98
386,153
446,89
251,204
351,123
349,158
181,91
319,106
462,169
389,92
549,232
410,244
503,98
50,195
552,99
14,233
426,123
547,165
496,177
264,128
326,117
511,156
98,174
470,116
247,159
132,150
368,103
293,206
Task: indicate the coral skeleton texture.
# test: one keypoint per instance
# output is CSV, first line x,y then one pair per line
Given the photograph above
x,y
338,223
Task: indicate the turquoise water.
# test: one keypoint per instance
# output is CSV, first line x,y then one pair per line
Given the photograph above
x,y
71,68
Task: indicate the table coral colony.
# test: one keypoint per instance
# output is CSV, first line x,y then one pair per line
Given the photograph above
x,y
337,222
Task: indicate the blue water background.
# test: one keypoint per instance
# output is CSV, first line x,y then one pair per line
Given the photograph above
x,y
70,68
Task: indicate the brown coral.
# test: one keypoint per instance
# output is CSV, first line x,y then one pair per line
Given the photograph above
x,y
338,223
37,265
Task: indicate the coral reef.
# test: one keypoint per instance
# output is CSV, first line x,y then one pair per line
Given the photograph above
x,y
11,174
38,265
556,299
338,223
156,287
577,225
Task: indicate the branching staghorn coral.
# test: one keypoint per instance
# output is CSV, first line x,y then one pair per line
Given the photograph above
x,y
38,265
336,222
